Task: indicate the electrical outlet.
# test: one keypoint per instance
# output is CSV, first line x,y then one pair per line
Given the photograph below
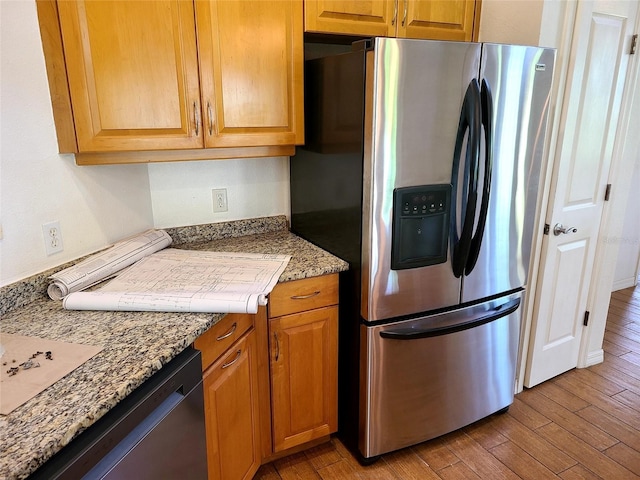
x,y
52,237
220,200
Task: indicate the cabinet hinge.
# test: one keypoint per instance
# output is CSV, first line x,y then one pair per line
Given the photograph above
x,y
546,229
634,44
585,322
607,192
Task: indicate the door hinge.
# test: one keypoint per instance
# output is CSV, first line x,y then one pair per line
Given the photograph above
x,y
634,44
585,322
607,192
546,229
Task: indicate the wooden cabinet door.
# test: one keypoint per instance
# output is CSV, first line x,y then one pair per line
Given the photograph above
x,y
133,74
351,17
231,413
304,376
430,19
436,19
251,60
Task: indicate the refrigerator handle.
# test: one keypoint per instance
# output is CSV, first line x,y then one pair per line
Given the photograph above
x,y
413,334
486,100
470,121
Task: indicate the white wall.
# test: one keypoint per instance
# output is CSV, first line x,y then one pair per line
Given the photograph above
x,y
511,21
181,191
97,206
629,242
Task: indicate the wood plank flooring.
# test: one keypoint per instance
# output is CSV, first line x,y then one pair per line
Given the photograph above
x,y
583,424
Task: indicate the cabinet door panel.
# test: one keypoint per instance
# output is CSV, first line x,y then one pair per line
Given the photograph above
x,y
304,352
430,19
437,19
351,17
231,413
251,72
133,74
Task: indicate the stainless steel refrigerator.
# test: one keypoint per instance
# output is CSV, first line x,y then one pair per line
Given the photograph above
x,y
421,168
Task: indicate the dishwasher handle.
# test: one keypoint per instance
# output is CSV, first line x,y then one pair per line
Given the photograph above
x,y
412,334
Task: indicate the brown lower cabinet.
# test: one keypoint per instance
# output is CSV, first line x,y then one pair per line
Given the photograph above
x,y
231,411
231,403
304,358
270,382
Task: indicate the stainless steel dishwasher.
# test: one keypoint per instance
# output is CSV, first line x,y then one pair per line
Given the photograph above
x,y
157,432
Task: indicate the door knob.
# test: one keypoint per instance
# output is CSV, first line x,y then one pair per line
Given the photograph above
x,y
559,229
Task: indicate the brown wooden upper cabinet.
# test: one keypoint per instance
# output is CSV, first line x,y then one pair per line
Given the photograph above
x,y
430,19
176,74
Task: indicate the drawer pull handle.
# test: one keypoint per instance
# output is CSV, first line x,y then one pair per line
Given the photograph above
x,y
228,364
275,336
229,333
304,297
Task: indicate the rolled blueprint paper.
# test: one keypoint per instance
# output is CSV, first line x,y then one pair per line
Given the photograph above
x,y
106,264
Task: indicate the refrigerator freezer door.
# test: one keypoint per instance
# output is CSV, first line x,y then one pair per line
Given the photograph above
x,y
426,377
518,79
414,91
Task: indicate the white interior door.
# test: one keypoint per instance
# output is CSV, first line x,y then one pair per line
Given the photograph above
x,y
597,70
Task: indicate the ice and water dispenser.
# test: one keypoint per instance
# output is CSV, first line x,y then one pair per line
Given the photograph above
x,y
420,226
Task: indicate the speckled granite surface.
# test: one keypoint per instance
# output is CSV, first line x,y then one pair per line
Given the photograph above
x,y
21,293
135,344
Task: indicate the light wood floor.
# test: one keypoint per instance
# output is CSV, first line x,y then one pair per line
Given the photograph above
x,y
583,424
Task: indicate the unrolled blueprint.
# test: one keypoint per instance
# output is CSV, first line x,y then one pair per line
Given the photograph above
x,y
174,280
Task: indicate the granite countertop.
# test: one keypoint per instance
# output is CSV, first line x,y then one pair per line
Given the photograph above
x,y
135,344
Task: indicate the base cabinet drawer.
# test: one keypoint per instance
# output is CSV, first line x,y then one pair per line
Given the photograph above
x,y
215,341
301,295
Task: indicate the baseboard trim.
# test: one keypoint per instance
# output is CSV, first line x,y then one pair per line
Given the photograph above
x,y
594,358
624,283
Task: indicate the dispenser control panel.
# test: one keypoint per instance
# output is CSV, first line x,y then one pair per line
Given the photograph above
x,y
424,202
420,226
